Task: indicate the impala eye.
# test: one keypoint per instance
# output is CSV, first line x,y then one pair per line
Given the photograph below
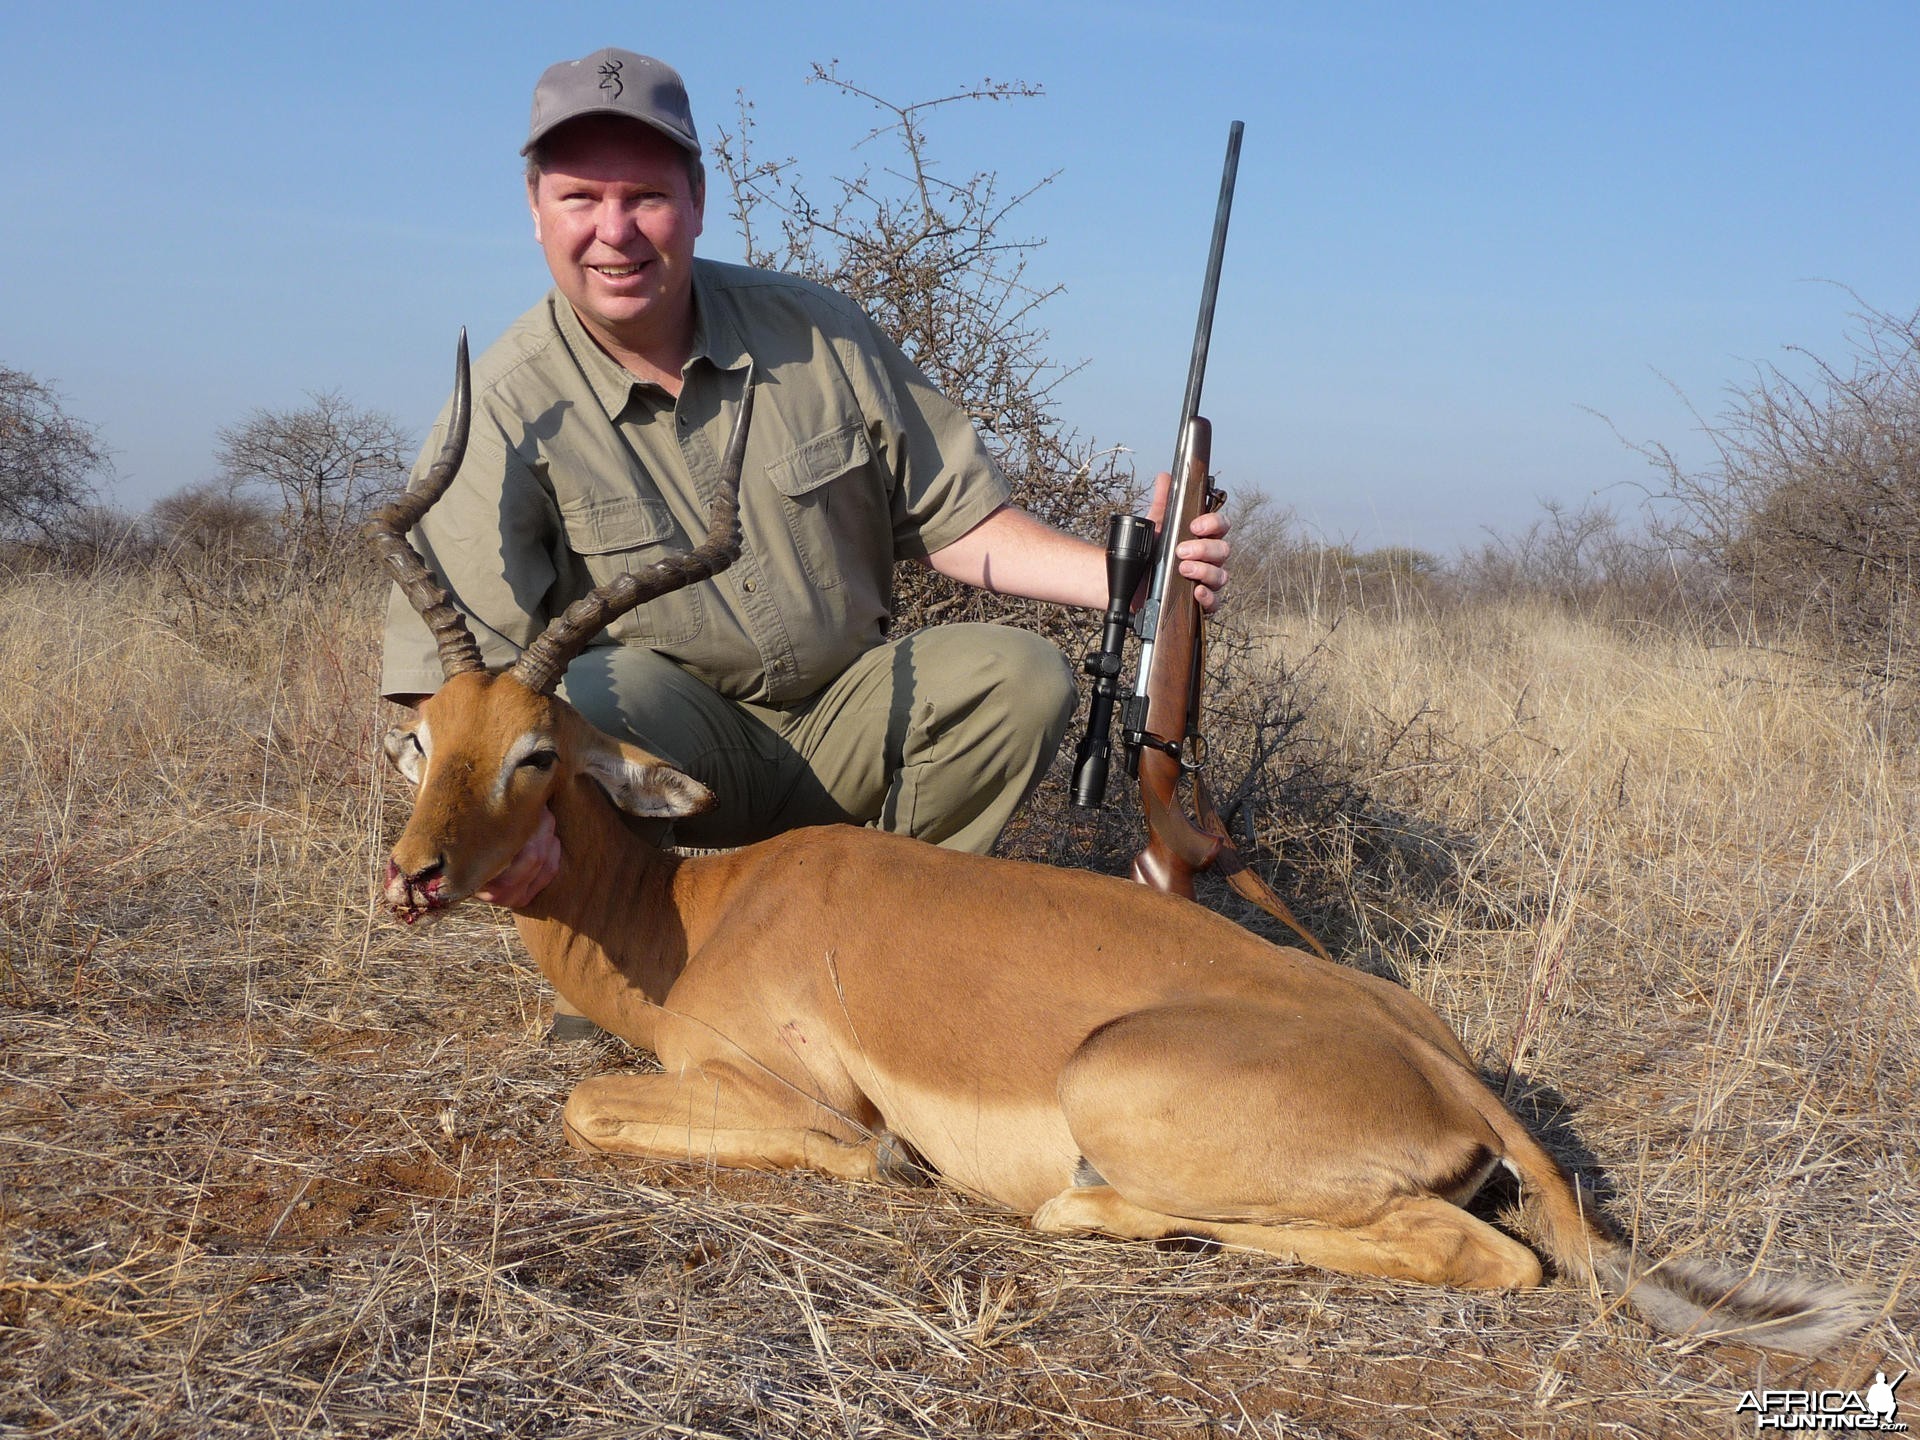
x,y
541,760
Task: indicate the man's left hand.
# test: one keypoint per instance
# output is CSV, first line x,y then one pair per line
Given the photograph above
x,y
1203,558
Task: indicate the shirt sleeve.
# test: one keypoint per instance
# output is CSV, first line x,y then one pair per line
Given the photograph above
x,y
491,540
944,480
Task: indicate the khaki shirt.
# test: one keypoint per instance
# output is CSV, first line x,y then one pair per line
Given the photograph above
x,y
576,471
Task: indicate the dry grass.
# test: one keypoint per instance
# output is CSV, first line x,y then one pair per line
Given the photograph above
x,y
271,1166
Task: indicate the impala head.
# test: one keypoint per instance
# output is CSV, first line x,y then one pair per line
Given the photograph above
x,y
485,755
488,750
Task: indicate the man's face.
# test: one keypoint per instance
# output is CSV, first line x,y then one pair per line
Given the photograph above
x,y
615,212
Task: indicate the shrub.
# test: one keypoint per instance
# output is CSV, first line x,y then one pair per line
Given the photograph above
x,y
932,260
1811,511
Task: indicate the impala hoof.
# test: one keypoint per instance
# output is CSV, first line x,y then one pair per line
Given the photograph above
x,y
896,1163
572,1029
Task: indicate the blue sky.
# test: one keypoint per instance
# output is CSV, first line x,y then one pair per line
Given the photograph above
x,y
1459,228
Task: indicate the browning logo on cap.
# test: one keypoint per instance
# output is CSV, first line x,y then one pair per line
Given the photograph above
x,y
613,82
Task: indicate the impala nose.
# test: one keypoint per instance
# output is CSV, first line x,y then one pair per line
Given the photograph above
x,y
410,894
421,879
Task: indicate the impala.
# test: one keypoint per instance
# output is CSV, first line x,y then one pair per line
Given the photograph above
x,y
1087,1051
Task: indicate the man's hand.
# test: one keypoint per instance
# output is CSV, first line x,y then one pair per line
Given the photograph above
x,y
529,872
1011,553
1203,559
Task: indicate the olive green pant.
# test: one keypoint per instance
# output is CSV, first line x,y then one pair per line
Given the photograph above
x,y
940,735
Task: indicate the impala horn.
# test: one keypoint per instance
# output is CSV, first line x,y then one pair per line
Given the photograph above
x,y
390,523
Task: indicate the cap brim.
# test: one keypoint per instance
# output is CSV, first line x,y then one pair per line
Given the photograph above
x,y
692,148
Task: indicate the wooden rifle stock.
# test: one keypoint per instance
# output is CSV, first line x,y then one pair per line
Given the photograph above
x,y
1170,742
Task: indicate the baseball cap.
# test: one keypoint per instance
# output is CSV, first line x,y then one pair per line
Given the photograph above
x,y
614,82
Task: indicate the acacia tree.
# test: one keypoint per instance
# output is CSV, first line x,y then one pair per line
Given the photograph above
x,y
47,460
211,522
325,466
931,259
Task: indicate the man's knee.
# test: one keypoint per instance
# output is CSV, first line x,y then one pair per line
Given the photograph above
x,y
1044,679
991,707
1023,678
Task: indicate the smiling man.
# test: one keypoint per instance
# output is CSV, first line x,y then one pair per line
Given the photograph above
x,y
599,422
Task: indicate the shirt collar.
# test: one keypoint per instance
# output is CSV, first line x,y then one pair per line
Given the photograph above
x,y
715,340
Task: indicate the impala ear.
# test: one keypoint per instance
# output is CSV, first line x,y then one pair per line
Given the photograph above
x,y
642,784
406,752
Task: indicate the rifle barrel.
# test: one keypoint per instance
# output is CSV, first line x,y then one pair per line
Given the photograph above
x,y
1210,288
1148,623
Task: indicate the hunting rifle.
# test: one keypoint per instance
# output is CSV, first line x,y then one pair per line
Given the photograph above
x,y
1160,724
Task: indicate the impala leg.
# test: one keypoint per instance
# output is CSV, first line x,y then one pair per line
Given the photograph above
x,y
697,1116
1419,1237
1295,1133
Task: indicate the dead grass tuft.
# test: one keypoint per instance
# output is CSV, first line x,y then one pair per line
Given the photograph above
x,y
271,1166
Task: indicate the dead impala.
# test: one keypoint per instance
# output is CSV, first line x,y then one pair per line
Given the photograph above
x,y
1085,1050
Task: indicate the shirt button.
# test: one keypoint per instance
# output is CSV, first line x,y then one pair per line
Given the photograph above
x,y
749,586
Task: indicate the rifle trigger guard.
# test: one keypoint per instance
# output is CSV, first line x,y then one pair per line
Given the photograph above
x,y
1197,748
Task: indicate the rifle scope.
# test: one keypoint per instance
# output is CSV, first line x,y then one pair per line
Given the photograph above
x,y
1129,549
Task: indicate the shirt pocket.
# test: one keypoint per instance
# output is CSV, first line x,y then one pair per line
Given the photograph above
x,y
623,535
836,512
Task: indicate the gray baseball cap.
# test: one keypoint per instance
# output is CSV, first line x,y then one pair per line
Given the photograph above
x,y
614,82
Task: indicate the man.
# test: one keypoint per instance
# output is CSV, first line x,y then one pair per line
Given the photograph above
x,y
599,422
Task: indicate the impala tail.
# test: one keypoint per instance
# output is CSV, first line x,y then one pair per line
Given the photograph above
x,y
1686,1297
1698,1298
